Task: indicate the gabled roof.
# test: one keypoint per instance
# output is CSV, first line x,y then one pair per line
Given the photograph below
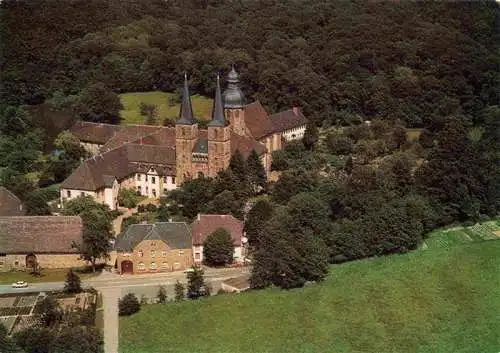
x,y
99,171
287,120
94,132
206,224
10,205
257,120
40,234
177,235
130,133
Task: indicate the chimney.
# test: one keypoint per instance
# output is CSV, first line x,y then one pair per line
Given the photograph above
x,y
296,109
198,216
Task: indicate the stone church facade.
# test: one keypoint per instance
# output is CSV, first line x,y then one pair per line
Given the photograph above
x,y
155,159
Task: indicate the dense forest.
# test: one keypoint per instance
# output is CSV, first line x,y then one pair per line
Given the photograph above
x,y
341,61
350,189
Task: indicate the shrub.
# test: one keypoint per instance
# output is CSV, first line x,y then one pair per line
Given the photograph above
x,y
128,305
128,198
73,283
179,291
162,295
150,208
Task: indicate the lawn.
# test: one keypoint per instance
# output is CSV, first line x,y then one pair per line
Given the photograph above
x,y
440,300
202,106
48,275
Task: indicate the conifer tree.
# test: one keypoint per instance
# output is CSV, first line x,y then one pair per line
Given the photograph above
x,y
256,172
310,136
73,283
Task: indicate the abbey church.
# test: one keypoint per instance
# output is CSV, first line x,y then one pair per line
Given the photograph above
x,y
155,159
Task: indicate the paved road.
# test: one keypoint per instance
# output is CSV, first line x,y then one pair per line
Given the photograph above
x,y
113,287
108,280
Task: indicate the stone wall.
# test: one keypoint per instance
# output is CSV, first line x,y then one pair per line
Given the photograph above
x,y
18,261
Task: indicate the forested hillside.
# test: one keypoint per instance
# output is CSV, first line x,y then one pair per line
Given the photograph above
x,y
341,61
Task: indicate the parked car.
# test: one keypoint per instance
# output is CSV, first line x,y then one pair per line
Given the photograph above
x,y
20,284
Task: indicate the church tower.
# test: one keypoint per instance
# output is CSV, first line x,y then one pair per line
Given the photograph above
x,y
234,103
219,137
186,135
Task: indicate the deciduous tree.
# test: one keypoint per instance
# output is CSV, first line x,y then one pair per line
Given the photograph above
x,y
218,248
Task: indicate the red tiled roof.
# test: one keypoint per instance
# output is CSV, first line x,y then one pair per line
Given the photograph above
x,y
40,234
120,163
241,143
130,133
287,120
206,224
10,205
257,120
94,132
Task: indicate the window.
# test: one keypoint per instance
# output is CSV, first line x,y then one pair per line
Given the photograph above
x,y
82,193
197,256
147,190
139,190
153,266
16,263
141,266
153,253
146,177
173,180
164,253
138,177
164,179
154,192
181,252
68,193
153,180
3,254
1,263
177,266
140,253
164,265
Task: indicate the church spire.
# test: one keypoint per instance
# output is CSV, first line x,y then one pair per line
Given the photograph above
x,y
218,118
233,96
186,116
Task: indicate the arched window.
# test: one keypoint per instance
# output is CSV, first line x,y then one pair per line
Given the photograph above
x,y
153,266
141,266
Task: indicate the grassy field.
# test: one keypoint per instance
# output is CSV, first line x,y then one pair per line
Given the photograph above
x,y
202,106
446,237
441,300
48,275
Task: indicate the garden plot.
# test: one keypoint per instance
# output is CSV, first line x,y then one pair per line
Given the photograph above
x,y
448,237
7,302
27,301
8,322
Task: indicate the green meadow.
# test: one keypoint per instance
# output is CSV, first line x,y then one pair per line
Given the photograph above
x,y
202,106
443,300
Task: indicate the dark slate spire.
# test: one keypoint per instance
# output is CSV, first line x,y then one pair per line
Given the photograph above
x,y
218,118
233,96
186,116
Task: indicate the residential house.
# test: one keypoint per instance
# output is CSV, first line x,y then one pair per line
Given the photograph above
x,y
150,248
10,205
206,224
45,240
